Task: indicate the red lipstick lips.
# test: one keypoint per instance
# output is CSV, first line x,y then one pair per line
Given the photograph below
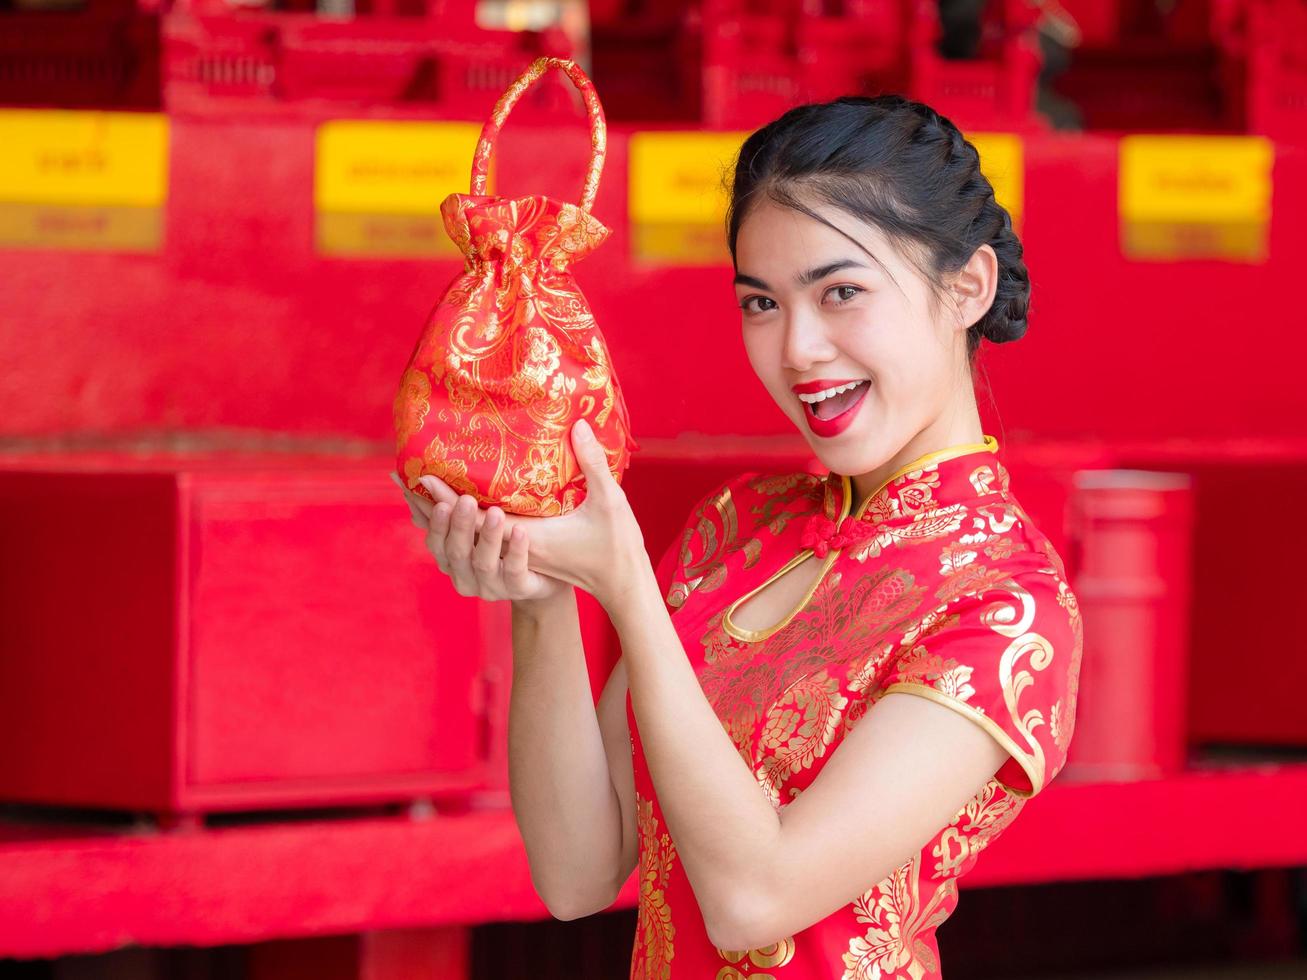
x,y
821,384
833,426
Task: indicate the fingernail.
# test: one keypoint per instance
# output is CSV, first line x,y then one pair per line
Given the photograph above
x,y
398,481
426,482
583,429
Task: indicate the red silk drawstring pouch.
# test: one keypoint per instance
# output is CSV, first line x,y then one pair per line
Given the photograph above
x,y
511,355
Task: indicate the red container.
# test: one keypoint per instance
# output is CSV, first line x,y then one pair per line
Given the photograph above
x,y
189,636
300,65
1132,544
994,90
103,56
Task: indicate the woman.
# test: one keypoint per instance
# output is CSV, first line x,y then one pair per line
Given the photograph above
x,y
794,810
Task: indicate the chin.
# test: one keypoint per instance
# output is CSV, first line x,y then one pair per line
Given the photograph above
x,y
853,456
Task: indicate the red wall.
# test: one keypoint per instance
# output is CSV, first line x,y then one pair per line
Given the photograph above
x,y
237,323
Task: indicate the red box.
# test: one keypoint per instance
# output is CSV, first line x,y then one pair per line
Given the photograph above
x,y
188,636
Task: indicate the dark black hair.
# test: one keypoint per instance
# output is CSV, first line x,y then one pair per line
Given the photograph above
x,y
900,165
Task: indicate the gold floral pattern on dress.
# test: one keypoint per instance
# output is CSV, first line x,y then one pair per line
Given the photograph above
x,y
942,673
799,729
973,578
896,918
979,618
770,956
712,538
926,526
743,680
655,932
980,821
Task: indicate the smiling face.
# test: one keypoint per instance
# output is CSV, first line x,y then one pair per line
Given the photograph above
x,y
815,307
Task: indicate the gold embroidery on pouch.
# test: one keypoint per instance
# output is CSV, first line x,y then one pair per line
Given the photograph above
x,y
411,405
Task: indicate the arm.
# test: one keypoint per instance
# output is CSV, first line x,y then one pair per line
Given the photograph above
x,y
903,771
570,774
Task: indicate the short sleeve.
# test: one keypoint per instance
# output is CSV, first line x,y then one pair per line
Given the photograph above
x,y
1007,658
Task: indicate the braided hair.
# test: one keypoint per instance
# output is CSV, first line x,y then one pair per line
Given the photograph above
x,y
900,165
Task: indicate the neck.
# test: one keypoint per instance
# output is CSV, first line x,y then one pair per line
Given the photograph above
x,y
943,433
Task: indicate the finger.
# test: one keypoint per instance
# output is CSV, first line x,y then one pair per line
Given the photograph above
x,y
592,460
517,576
458,544
420,521
437,534
485,557
439,489
423,506
419,507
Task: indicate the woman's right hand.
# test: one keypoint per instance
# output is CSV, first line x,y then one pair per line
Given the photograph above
x,y
479,562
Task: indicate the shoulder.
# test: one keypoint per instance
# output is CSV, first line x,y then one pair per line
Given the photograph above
x,y
729,522
748,501
1001,568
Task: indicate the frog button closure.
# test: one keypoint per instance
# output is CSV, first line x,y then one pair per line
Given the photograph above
x,y
821,534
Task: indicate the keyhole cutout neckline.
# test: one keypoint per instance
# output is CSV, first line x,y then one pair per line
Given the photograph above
x,y
846,497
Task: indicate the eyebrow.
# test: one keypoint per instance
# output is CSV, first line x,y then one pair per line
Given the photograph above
x,y
804,278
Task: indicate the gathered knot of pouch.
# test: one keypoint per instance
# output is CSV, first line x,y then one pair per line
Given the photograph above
x,y
511,356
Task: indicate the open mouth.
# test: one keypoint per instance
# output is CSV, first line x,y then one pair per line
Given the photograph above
x,y
837,404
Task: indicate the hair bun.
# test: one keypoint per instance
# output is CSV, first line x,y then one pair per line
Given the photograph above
x,y
1006,319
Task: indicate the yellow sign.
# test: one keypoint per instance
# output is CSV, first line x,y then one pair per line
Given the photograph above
x,y
1002,160
680,186
1195,196
681,177
1195,178
82,180
75,157
393,167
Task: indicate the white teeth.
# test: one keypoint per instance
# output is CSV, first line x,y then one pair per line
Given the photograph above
x,y
820,396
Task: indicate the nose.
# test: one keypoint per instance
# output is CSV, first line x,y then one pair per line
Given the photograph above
x,y
805,342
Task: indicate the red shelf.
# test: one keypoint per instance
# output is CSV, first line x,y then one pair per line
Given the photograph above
x,y
69,889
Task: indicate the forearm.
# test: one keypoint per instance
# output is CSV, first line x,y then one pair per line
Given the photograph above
x,y
563,798
723,825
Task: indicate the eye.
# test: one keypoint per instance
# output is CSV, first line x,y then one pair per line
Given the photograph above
x,y
744,304
836,289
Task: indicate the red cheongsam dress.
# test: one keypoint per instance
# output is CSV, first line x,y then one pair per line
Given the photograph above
x,y
939,585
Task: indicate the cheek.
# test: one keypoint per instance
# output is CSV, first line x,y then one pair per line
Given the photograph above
x,y
764,359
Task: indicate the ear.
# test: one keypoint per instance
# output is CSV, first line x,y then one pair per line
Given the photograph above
x,y
975,286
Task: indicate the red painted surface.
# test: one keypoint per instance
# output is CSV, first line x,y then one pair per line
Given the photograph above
x,y
234,638
72,889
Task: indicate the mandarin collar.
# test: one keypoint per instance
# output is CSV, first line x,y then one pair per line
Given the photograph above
x,y
889,502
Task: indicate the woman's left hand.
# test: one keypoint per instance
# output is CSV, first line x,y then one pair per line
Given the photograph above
x,y
597,547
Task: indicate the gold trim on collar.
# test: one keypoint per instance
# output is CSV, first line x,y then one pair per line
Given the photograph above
x,y
753,636
926,459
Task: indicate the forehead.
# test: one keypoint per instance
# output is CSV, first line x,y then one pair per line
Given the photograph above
x,y
775,242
